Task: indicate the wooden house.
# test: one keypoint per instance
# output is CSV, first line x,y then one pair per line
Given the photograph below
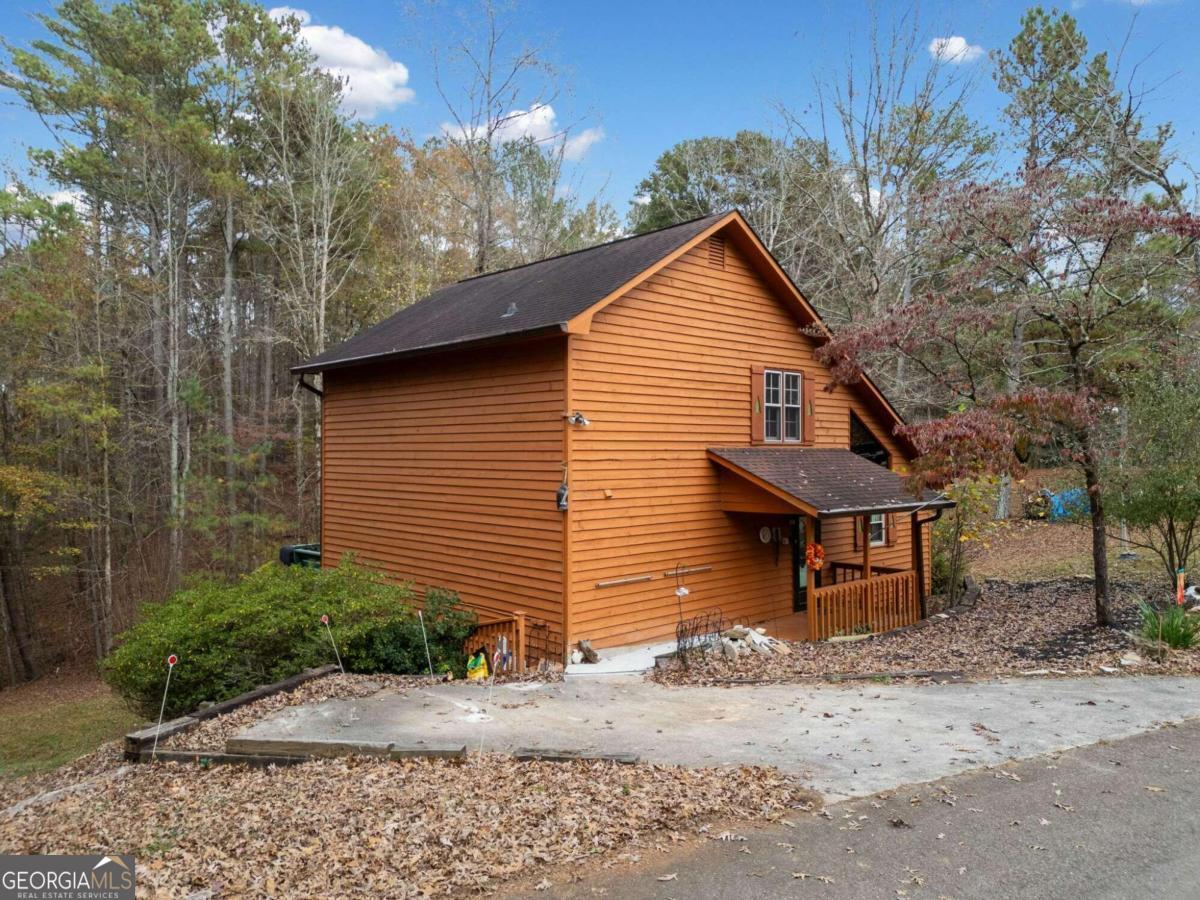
x,y
568,443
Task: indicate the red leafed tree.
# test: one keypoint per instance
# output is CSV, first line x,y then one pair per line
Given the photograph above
x,y
1085,284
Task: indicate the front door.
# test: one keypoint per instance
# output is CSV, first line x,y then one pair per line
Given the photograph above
x,y
799,543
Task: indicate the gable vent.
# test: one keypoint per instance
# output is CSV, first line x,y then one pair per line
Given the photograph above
x,y
716,252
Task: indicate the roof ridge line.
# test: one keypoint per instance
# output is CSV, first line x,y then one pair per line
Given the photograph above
x,y
614,242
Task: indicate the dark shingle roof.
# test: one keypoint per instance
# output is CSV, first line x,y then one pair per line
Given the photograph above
x,y
833,482
526,300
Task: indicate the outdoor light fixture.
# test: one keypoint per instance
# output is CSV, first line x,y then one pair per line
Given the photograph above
x,y
578,418
561,497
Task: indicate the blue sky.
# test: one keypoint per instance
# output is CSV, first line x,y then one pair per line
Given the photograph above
x,y
644,75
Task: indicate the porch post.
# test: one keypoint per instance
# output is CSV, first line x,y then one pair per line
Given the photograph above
x,y
918,560
864,522
814,529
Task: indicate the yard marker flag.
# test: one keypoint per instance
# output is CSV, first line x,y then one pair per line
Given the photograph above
x,y
171,660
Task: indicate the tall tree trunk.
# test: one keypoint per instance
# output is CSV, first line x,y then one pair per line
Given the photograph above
x,y
104,630
6,633
15,614
227,386
298,405
1091,476
176,507
1012,383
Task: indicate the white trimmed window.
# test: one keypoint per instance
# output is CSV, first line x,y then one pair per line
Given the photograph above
x,y
781,406
878,530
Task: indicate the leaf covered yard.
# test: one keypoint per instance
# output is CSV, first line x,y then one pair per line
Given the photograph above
x,y
370,828
1044,628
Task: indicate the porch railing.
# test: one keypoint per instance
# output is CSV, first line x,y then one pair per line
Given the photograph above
x,y
879,603
508,632
528,640
840,571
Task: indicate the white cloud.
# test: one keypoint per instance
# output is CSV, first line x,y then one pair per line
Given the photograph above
x,y
540,123
954,49
579,144
374,81
283,12
75,198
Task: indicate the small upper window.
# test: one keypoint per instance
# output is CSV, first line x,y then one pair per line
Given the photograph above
x,y
878,530
781,405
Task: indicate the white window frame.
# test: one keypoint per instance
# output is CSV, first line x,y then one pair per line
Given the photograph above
x,y
782,406
879,519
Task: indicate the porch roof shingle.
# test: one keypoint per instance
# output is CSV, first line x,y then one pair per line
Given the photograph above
x,y
831,482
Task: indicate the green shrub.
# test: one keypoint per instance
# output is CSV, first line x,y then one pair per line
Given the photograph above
x,y
1172,625
267,626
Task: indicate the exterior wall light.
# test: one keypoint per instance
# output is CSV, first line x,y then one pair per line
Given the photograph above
x,y
578,418
561,497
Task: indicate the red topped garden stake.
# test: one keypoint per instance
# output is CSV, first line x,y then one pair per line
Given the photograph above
x,y
329,631
171,660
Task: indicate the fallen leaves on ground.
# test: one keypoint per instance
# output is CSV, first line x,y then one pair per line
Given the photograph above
x,y
1016,627
367,827
100,761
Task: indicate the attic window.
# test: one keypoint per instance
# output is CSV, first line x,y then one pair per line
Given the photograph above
x,y
716,252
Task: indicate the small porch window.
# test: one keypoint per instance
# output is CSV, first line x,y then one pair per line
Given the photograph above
x,y
781,405
878,530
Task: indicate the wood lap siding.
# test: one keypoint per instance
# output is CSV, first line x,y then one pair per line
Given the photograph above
x,y
663,374
443,471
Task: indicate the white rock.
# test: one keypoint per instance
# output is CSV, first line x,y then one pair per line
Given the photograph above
x,y
1131,659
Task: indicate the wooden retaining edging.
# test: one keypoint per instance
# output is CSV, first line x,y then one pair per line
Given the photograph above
x,y
317,749
532,754
143,739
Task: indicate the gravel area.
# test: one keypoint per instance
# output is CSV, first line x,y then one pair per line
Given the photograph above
x,y
1015,628
372,828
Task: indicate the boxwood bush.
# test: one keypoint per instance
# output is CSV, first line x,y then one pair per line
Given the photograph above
x,y
267,626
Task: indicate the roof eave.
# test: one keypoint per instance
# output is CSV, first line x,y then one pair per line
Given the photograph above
x,y
444,347
915,506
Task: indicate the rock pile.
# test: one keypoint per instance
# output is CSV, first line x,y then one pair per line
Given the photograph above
x,y
742,640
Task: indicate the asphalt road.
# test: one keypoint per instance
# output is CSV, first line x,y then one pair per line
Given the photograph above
x,y
1112,820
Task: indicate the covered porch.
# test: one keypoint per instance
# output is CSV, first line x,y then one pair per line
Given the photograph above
x,y
864,585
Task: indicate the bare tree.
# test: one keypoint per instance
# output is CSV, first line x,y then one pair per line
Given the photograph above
x,y
316,212
888,129
504,96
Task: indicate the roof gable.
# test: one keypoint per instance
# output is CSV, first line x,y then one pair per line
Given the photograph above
x,y
734,228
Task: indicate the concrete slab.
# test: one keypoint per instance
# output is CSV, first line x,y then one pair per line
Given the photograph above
x,y
632,660
846,740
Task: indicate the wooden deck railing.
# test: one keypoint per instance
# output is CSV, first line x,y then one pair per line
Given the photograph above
x,y
529,641
840,571
879,604
509,632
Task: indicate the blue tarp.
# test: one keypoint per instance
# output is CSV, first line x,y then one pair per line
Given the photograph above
x,y
1067,504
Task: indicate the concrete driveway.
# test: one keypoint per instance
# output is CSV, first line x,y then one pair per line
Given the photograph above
x,y
844,740
1107,822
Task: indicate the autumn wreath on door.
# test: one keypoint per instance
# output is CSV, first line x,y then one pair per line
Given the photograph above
x,y
814,556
